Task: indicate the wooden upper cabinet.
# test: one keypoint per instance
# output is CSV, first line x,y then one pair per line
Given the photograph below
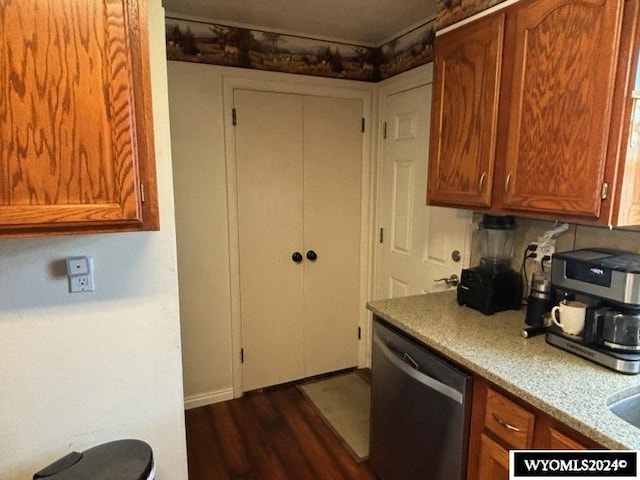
x,y
567,117
76,146
564,58
465,113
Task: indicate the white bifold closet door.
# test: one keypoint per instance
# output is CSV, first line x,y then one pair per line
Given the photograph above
x,y
298,162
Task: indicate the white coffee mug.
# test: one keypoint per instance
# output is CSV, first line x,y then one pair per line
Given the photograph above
x,y
571,314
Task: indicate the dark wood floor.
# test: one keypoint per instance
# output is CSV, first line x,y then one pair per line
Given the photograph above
x,y
270,435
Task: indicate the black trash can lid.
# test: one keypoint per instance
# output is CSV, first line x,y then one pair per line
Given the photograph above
x,y
119,460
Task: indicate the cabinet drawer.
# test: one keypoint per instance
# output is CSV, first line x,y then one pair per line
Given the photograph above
x,y
509,421
559,441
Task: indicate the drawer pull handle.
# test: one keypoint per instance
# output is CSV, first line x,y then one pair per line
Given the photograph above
x,y
504,424
507,182
481,182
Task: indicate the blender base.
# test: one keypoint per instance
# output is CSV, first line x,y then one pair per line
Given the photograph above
x,y
490,292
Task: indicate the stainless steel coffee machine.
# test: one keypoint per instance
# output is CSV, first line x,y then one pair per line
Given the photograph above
x,y
609,282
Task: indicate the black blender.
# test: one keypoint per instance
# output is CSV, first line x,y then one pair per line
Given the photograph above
x,y
493,286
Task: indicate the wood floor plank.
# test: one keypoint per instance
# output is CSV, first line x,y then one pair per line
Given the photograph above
x,y
204,455
270,435
233,449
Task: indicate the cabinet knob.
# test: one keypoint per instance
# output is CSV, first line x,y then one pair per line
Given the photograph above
x,y
312,256
296,257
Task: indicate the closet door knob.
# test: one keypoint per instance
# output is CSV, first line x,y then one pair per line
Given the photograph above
x,y
311,255
296,257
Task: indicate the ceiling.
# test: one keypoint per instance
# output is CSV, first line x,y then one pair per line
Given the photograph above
x,y
363,22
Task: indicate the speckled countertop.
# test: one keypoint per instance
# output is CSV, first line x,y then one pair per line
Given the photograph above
x,y
569,388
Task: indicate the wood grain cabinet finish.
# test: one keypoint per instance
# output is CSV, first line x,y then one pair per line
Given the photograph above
x,y
465,113
76,145
560,441
508,420
564,58
564,146
494,460
500,422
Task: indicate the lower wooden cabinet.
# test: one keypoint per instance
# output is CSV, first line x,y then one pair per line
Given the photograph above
x,y
500,422
494,460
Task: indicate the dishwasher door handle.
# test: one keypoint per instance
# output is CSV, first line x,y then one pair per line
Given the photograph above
x,y
430,382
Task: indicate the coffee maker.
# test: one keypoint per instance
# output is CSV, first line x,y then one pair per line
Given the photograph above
x,y
492,286
608,281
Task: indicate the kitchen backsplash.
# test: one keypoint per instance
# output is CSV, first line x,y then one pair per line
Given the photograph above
x,y
578,236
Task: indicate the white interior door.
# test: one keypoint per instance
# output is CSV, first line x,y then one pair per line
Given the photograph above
x,y
332,197
269,150
418,241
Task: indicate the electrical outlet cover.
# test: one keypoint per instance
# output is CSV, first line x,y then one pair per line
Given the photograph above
x,y
77,265
81,283
80,272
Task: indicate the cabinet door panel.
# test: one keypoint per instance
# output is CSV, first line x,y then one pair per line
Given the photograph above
x,y
465,112
494,460
68,142
565,56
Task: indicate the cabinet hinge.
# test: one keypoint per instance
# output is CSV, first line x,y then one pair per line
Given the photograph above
x,y
384,130
242,355
359,333
142,199
605,191
234,119
381,235
363,124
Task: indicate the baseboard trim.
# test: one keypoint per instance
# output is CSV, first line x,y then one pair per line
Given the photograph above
x,y
208,398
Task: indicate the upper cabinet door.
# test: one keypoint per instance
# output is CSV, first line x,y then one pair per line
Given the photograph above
x,y
465,112
560,105
75,141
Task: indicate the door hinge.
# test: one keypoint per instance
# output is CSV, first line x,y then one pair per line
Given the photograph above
x,y
381,235
142,193
234,119
384,130
605,191
242,355
363,124
359,333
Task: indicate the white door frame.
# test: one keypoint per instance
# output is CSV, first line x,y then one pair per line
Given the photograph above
x,y
409,80
284,83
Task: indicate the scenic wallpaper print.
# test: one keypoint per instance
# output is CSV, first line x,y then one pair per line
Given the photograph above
x,y
194,41
452,11
408,51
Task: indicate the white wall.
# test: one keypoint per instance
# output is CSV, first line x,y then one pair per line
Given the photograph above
x,y
197,139
79,370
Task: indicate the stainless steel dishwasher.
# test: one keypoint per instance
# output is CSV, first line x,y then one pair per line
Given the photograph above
x,y
420,410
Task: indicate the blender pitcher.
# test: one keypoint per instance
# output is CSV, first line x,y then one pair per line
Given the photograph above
x,y
496,242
